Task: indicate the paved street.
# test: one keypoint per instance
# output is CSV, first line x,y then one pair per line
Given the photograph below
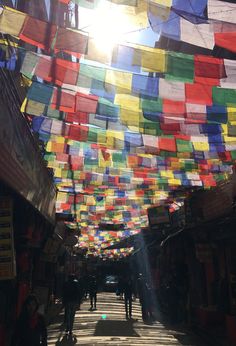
x,y
108,326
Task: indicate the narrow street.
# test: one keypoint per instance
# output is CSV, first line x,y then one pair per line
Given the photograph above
x,y
108,326
118,172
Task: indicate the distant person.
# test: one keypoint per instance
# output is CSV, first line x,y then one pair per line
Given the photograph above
x,y
120,287
127,287
71,299
30,327
134,288
92,289
144,292
86,293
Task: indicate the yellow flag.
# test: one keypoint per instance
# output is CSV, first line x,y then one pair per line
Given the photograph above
x,y
231,113
26,82
57,173
167,3
90,200
110,140
129,117
104,163
201,146
154,60
230,139
167,174
102,138
23,106
119,79
109,192
12,21
119,142
174,182
62,197
64,173
83,207
224,129
115,139
160,8
52,164
151,59
60,139
49,146
128,102
34,108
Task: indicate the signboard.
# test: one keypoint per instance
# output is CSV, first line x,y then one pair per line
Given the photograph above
x,y
158,216
7,253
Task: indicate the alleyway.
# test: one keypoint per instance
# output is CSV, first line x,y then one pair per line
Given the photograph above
x,y
107,326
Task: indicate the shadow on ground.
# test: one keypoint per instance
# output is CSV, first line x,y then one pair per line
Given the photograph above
x,y
185,336
115,328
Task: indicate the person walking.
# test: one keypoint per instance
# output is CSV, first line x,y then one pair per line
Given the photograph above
x,y
144,292
120,287
128,297
71,298
92,289
30,327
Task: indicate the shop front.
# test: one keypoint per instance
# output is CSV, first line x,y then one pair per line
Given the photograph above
x,y
27,203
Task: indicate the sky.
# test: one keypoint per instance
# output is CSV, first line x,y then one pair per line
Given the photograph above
x,y
146,37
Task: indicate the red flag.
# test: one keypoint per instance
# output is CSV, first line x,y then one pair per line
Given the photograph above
x,y
65,72
167,143
226,40
38,33
86,103
63,100
199,93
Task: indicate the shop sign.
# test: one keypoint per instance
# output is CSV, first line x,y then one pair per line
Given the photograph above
x,y
158,216
7,252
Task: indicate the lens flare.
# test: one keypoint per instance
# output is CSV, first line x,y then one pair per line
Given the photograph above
x,y
108,26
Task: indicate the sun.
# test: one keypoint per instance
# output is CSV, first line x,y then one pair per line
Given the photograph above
x,y
107,25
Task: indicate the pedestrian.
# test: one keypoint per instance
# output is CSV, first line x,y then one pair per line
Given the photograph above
x,y
144,292
120,287
127,287
30,327
86,279
92,289
71,299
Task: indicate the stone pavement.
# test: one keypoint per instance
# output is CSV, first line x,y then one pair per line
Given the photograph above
x,y
108,326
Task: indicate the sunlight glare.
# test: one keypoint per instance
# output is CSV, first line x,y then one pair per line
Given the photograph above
x,y
109,26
